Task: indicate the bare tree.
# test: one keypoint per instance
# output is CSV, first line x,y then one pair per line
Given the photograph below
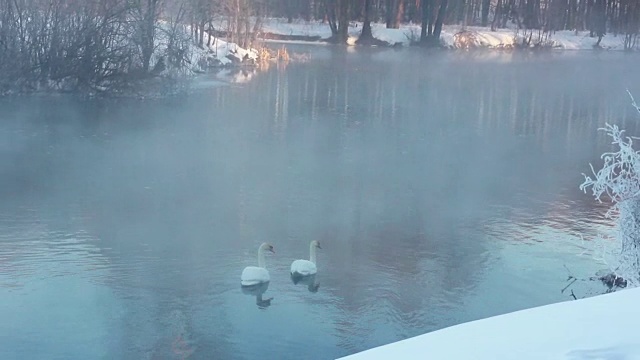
x,y
366,35
430,32
146,14
337,14
239,14
394,13
618,181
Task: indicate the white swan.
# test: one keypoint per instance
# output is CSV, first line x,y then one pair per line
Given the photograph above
x,y
254,275
306,267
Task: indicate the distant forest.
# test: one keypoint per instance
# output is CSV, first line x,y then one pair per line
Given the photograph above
x,y
597,16
97,44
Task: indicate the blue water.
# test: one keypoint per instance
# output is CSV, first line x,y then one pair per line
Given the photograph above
x,y
443,188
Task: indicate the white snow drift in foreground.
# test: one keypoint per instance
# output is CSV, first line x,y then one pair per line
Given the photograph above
x,y
600,327
568,40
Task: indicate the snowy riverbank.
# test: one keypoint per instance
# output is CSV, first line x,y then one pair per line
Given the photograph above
x,y
483,37
214,53
177,59
600,327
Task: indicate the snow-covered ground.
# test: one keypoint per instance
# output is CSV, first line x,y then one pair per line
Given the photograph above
x,y
227,52
218,53
600,327
569,40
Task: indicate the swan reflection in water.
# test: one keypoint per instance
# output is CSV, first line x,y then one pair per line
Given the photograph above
x,y
309,280
257,291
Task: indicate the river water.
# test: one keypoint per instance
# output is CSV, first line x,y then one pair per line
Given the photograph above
x,y
443,188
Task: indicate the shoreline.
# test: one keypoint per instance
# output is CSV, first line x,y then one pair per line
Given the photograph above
x,y
454,37
442,48
223,55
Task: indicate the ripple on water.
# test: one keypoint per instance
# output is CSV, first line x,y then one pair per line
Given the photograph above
x,y
31,250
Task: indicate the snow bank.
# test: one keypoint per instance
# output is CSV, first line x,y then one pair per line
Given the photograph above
x,y
601,327
225,52
218,53
569,40
304,28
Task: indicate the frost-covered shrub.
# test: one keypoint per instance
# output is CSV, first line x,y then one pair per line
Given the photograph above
x,y
619,182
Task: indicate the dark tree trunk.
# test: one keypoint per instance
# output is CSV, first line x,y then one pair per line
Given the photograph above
x,y
194,29
389,13
437,30
572,14
148,33
331,8
599,19
589,17
392,7
413,10
531,14
201,38
338,18
399,13
426,29
209,33
486,4
366,34
343,21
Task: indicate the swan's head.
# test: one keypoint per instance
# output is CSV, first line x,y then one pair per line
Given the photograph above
x,y
316,244
267,247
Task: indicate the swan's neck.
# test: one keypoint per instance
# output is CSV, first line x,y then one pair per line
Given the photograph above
x,y
260,257
312,253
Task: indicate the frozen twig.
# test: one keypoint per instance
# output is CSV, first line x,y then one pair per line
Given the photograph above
x,y
570,275
566,287
633,101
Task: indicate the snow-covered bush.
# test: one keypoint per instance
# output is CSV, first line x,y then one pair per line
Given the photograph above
x,y
618,181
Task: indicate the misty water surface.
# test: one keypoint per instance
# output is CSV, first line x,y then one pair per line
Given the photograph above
x,y
443,188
